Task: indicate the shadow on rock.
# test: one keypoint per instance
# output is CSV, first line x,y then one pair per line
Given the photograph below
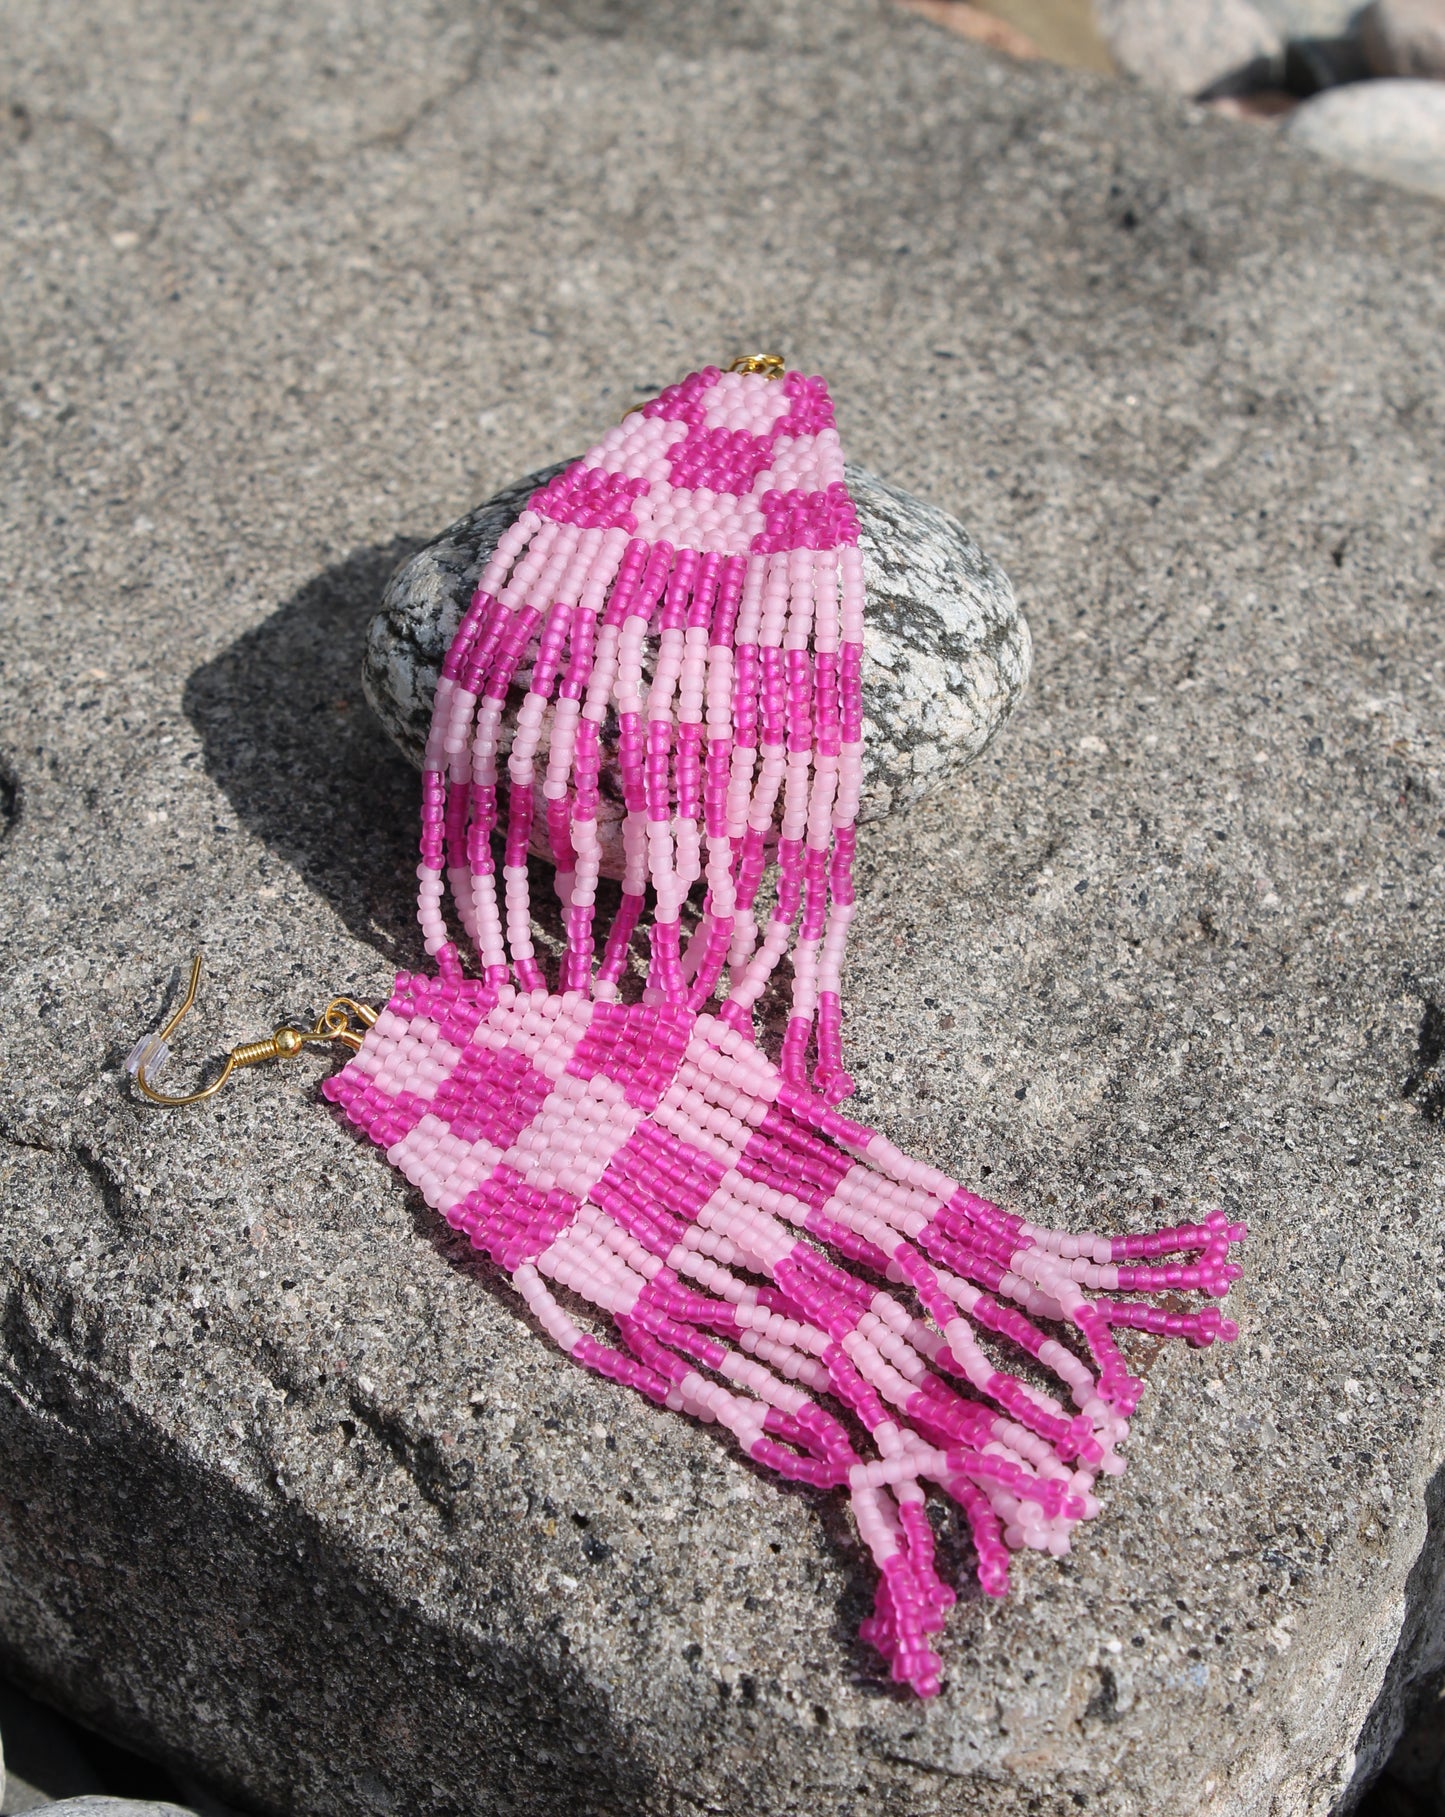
x,y
329,1684
288,737
1405,1731
1424,1083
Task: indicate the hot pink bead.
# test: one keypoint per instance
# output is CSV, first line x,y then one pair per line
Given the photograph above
x,y
696,581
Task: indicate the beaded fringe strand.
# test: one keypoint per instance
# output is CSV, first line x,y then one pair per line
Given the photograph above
x,y
647,1158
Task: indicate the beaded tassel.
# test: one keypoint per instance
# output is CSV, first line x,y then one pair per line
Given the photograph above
x,y
767,1263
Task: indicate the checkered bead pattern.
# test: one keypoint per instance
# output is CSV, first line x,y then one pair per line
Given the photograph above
x,y
680,1213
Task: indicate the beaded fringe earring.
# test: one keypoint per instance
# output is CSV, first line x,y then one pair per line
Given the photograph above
x,y
767,1263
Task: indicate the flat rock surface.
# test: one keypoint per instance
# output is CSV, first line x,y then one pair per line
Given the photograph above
x,y
292,1495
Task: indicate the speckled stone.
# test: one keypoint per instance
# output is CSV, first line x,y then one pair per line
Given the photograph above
x,y
115,1807
946,651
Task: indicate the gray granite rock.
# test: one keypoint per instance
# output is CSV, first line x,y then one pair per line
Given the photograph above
x,y
1394,130
1188,46
946,650
1405,38
291,1492
116,1807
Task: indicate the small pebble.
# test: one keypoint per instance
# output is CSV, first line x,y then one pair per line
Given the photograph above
x,y
1405,38
1394,130
115,1807
1187,46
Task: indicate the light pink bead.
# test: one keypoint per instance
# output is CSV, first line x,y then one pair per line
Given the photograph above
x,y
769,1265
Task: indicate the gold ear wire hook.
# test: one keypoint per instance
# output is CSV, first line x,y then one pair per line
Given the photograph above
x,y
333,1024
770,365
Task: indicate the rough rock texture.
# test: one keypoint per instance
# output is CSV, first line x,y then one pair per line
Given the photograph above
x,y
946,650
1405,38
1394,130
291,1493
1187,46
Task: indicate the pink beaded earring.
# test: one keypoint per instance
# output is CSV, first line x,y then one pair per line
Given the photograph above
x,y
765,1262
